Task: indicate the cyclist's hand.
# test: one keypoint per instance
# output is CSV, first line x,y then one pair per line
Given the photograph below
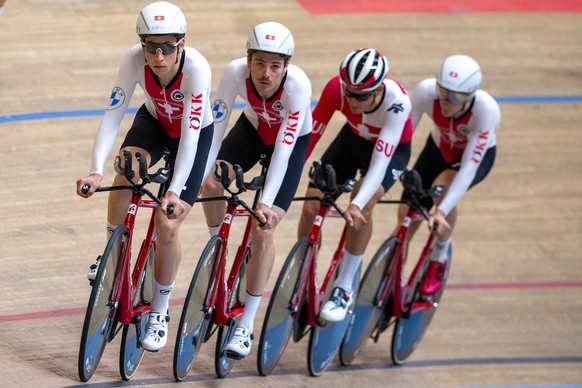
x,y
172,199
92,181
354,217
439,219
267,216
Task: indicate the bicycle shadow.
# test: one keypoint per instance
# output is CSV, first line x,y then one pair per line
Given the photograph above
x,y
463,362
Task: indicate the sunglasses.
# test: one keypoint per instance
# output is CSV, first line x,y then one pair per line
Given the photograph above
x,y
361,97
165,48
453,97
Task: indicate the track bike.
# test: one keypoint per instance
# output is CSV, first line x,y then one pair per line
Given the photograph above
x,y
215,299
297,299
386,296
120,296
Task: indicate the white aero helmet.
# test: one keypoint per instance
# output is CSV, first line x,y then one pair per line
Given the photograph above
x,y
459,73
364,69
271,37
161,18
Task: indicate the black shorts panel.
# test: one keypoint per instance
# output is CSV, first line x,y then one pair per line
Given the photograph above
x,y
147,133
349,153
243,146
430,164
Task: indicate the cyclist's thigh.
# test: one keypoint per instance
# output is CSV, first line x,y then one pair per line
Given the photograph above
x,y
430,163
194,181
243,145
348,153
446,177
292,174
485,166
397,165
147,133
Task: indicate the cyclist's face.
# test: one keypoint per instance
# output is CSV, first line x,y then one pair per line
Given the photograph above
x,y
267,72
453,104
452,110
358,101
163,65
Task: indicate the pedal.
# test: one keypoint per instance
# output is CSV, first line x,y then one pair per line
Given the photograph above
x,y
233,355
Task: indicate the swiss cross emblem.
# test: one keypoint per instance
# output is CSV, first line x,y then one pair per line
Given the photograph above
x,y
270,37
159,18
453,74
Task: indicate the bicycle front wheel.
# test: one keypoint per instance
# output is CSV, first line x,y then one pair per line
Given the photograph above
x,y
367,310
325,340
195,320
132,352
408,332
100,317
280,317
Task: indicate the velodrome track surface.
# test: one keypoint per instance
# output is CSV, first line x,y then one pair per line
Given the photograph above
x,y
512,311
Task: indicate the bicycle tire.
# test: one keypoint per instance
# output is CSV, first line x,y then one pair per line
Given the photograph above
x,y
279,321
325,340
222,363
132,352
194,320
101,313
366,313
408,332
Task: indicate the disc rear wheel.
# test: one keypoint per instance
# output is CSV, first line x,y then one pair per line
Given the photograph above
x,y
280,317
325,340
367,310
408,332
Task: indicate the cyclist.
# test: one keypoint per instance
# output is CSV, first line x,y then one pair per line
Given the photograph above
x,y
276,122
176,115
375,140
459,152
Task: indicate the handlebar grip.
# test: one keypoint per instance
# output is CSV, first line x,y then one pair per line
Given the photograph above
x,y
238,173
143,167
169,209
224,179
85,188
127,170
330,175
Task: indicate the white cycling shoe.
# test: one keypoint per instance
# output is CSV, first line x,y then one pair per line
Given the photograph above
x,y
240,345
156,334
337,307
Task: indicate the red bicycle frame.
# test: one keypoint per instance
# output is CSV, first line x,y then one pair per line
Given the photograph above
x,y
316,293
125,294
400,308
219,296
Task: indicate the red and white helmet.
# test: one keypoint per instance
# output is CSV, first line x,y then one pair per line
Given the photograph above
x,y
459,73
161,18
271,37
364,69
